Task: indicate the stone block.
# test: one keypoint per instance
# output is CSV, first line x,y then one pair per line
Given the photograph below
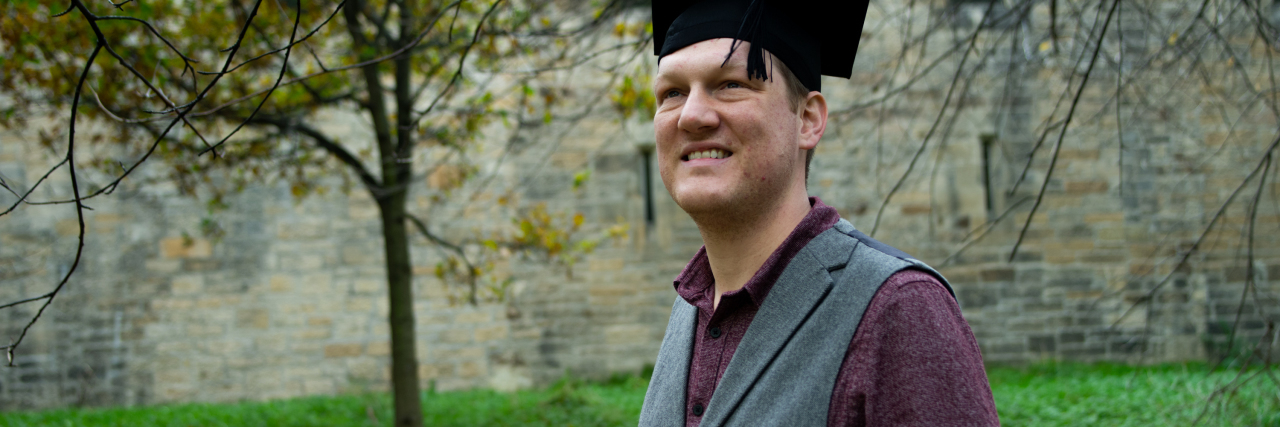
x,y
169,304
458,353
492,333
366,369
359,305
618,162
1085,154
1059,257
315,283
916,209
352,255
470,369
1104,218
1002,274
507,378
1002,348
1099,256
1084,353
280,283
179,247
571,160
176,393
1028,276
1027,255
1071,338
973,299
203,330
1126,345
1071,282
1056,202
68,227
162,265
253,318
456,336
1042,344
473,316
217,302
605,264
368,286
627,334
187,284
380,348
1042,307
314,386
308,262
333,351
435,370
1085,187
171,347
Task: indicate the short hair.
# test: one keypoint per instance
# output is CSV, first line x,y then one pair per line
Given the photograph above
x,y
797,93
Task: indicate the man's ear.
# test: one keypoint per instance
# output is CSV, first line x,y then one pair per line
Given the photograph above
x,y
813,120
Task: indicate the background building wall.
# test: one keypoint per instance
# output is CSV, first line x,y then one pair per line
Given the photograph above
x,y
291,300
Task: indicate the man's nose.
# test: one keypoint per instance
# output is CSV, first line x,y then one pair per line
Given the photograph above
x,y
699,113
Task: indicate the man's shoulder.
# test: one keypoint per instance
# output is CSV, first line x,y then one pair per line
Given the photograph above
x,y
902,268
845,227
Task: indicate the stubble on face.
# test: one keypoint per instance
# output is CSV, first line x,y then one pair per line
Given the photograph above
x,y
705,107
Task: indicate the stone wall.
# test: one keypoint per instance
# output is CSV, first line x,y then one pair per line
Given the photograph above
x,y
291,300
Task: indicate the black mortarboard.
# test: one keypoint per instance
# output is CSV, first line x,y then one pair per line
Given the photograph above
x,y
813,38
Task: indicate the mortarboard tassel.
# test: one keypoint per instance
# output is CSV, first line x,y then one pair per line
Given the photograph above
x,y
749,32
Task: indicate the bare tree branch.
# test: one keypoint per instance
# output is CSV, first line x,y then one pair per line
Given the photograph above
x,y
1057,147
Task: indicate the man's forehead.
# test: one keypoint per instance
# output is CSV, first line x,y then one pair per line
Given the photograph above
x,y
706,57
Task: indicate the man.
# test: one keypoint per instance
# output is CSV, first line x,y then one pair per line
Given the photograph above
x,y
788,315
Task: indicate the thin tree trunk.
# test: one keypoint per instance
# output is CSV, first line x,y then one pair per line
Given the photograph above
x,y
397,174
404,358
391,198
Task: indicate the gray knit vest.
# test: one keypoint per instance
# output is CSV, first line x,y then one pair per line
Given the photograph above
x,y
785,368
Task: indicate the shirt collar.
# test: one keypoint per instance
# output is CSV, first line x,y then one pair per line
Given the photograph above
x,y
692,284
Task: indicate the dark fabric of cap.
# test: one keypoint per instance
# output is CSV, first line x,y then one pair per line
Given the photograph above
x,y
813,38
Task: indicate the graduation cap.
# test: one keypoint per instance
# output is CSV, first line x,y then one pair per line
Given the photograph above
x,y
813,38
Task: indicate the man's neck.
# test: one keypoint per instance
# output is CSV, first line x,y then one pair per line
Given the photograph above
x,y
736,249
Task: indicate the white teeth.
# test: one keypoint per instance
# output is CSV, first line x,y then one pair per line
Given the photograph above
x,y
708,154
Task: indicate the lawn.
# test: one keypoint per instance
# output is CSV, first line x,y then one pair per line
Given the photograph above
x,y
1118,395
1038,395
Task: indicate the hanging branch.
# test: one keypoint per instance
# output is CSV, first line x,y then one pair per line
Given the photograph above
x,y
1182,260
1057,147
284,66
70,160
1249,270
973,41
100,44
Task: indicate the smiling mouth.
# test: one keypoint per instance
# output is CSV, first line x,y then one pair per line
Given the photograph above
x,y
714,153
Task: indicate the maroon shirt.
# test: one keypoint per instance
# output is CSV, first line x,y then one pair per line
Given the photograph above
x,y
912,361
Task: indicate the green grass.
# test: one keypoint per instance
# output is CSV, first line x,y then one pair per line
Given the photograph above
x,y
1117,395
568,402
1037,395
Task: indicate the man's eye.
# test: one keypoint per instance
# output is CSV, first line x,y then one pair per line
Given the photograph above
x,y
732,85
671,94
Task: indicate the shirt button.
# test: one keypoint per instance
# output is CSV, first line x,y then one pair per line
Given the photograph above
x,y
715,332
697,410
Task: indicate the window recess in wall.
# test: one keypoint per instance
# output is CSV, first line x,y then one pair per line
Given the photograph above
x,y
646,183
967,14
993,179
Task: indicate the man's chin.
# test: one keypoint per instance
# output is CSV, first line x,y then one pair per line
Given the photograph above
x,y
703,203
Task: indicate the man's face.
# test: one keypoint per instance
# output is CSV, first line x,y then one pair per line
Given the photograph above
x,y
724,142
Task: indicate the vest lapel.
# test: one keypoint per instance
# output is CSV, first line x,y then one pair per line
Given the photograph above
x,y
664,402
801,288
